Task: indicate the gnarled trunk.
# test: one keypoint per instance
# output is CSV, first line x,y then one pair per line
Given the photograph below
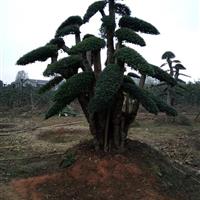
x,y
107,127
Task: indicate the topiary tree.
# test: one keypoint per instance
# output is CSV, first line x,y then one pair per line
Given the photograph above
x,y
109,98
174,71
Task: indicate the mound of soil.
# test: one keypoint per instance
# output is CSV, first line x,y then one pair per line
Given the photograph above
x,y
139,173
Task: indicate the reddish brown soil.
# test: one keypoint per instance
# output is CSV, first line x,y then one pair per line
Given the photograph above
x,y
95,176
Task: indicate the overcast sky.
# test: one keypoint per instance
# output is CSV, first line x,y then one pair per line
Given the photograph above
x,y
28,24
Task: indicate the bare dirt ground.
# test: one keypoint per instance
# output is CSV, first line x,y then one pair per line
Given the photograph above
x,y
30,146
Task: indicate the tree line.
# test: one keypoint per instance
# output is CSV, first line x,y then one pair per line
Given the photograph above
x,y
12,97
187,95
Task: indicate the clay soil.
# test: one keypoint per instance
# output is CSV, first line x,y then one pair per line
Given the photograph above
x,y
42,160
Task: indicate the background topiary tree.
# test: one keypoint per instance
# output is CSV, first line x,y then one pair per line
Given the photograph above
x,y
109,98
175,67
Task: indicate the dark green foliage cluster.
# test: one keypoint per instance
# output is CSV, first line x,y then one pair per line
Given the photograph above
x,y
122,9
73,20
72,29
88,44
162,106
149,101
128,79
128,35
162,76
55,109
160,102
138,25
57,41
179,66
73,87
39,54
93,9
134,60
137,62
68,160
140,94
108,23
107,87
51,84
87,36
65,64
69,26
168,54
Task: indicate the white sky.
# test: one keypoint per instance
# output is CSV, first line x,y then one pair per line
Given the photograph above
x,y
28,24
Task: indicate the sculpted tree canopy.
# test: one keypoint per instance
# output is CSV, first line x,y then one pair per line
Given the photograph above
x,y
108,97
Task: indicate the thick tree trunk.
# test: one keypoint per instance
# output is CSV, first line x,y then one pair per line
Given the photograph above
x,y
170,67
77,38
83,101
89,57
97,128
54,58
108,136
97,63
110,34
130,113
108,127
117,119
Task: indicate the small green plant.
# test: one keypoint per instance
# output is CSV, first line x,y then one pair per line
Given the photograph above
x,y
68,160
